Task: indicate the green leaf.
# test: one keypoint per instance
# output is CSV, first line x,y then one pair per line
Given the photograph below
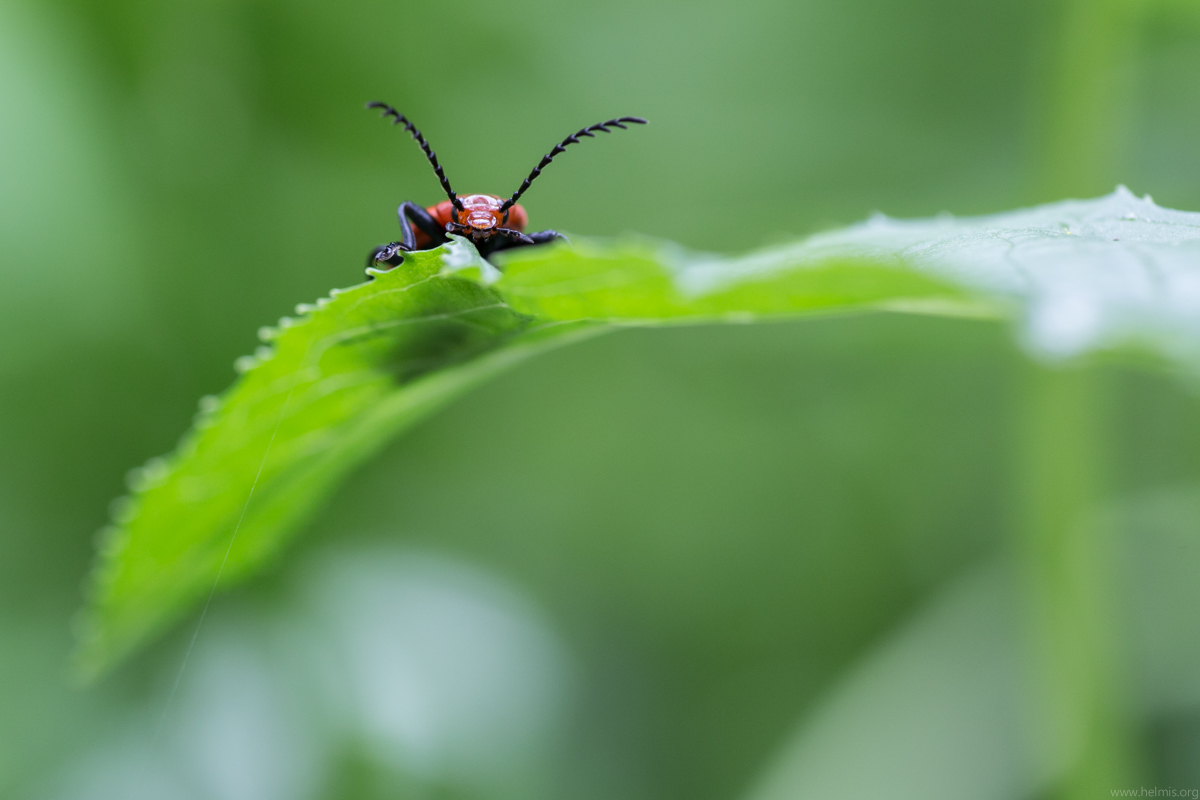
x,y
336,384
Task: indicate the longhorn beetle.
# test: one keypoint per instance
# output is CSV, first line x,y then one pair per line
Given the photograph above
x,y
490,222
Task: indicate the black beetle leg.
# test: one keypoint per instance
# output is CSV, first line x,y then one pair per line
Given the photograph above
x,y
514,237
409,210
392,253
501,239
544,237
507,239
386,254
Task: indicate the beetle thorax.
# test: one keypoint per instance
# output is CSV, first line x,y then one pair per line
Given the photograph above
x,y
481,212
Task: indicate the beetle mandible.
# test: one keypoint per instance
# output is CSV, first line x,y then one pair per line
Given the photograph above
x,y
491,223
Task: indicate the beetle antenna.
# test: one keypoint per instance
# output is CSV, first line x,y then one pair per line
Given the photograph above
x,y
589,131
400,119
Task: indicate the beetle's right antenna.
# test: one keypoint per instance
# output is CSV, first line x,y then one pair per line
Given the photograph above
x,y
400,119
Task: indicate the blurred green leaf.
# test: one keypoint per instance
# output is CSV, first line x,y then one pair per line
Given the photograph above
x,y
365,364
935,710
337,383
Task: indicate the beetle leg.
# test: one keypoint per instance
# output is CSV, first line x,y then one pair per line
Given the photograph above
x,y
545,237
386,254
502,239
507,239
410,211
515,237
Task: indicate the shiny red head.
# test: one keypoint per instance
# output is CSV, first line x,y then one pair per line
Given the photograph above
x,y
481,214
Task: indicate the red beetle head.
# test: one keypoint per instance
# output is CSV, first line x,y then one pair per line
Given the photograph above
x,y
480,212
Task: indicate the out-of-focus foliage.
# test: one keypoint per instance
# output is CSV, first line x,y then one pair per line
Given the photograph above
x,y
697,561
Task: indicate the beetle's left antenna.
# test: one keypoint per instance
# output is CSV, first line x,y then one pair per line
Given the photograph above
x,y
590,131
400,119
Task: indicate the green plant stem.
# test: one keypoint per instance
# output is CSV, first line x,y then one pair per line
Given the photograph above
x,y
1083,91
1083,734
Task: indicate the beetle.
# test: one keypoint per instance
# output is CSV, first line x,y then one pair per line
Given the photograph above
x,y
491,222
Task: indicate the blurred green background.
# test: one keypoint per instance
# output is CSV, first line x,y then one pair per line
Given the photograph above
x,y
728,562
